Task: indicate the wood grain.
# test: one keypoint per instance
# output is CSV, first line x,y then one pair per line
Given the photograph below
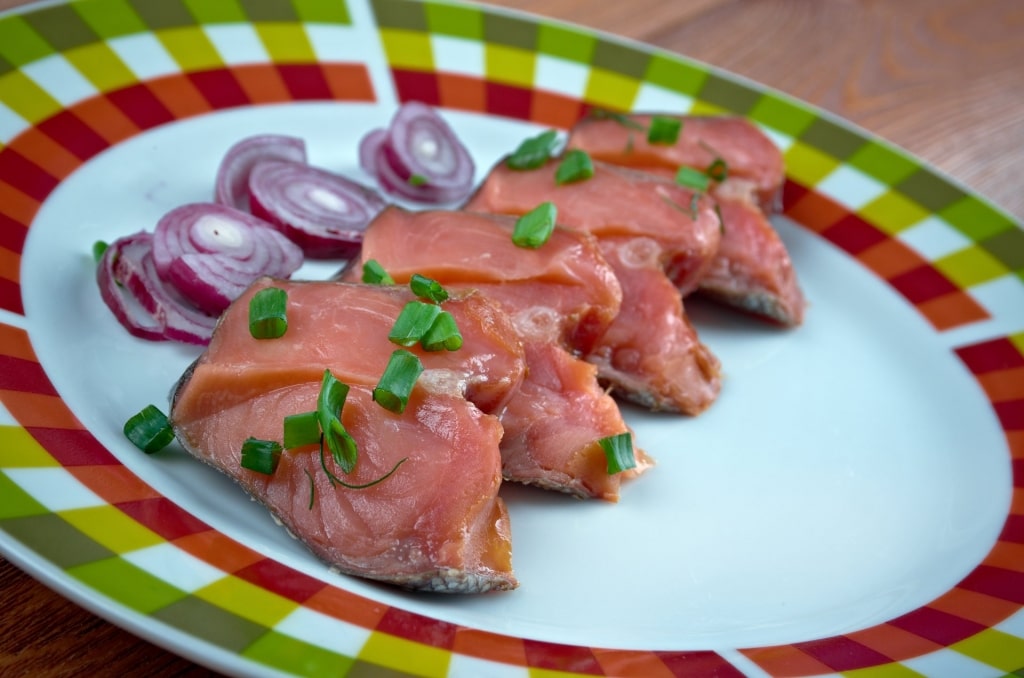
x,y
941,78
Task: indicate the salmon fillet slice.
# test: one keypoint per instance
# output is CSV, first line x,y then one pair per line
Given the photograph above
x,y
437,523
647,228
561,298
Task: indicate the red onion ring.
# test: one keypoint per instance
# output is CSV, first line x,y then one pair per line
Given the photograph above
x,y
130,287
419,157
232,183
211,252
324,213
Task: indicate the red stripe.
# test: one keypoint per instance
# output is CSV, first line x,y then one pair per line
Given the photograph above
x,y
705,663
10,296
1013,529
997,582
418,628
141,106
306,82
937,626
792,192
25,175
12,233
508,100
571,658
73,447
922,284
989,356
842,653
1011,414
164,517
417,86
853,234
17,374
281,579
220,88
68,130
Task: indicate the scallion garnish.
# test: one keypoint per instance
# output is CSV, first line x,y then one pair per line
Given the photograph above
x,y
413,322
417,180
664,130
335,480
267,313
98,248
693,178
534,228
533,152
620,118
149,430
443,334
261,456
328,406
301,429
395,385
575,166
427,288
374,274
618,452
718,170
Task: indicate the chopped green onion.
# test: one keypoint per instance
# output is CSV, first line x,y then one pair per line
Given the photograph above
x,y
575,166
664,130
98,248
413,322
335,480
533,152
425,287
149,430
417,180
620,118
267,317
692,178
718,170
301,429
618,452
328,406
534,228
261,456
312,488
395,385
443,334
374,274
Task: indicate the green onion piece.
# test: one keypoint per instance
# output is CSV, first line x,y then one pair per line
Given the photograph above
x,y
328,406
149,430
575,166
395,385
718,170
534,228
664,130
620,118
301,429
618,452
312,488
693,178
417,180
267,318
261,456
443,334
425,287
335,480
533,152
98,248
413,322
374,274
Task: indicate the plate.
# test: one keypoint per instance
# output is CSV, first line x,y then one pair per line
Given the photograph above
x,y
847,506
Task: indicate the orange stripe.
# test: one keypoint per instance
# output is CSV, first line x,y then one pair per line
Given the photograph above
x,y
1007,555
14,343
976,607
554,110
349,82
105,119
952,310
1016,442
45,152
1017,502
179,95
262,84
894,642
786,660
222,552
34,409
461,92
113,482
816,212
623,663
17,205
10,265
346,606
489,646
1003,384
890,258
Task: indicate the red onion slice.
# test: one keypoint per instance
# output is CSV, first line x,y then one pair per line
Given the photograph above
x,y
324,213
232,184
420,158
146,306
211,252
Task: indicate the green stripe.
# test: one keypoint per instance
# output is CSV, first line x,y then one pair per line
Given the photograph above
x,y
110,18
930,190
1007,247
62,27
566,44
836,140
675,75
976,219
510,31
728,94
215,625
621,59
269,10
882,162
223,12
56,540
20,44
164,14
400,14
323,11
15,502
127,584
782,115
460,22
295,656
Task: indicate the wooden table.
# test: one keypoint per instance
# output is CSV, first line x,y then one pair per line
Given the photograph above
x,y
944,79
